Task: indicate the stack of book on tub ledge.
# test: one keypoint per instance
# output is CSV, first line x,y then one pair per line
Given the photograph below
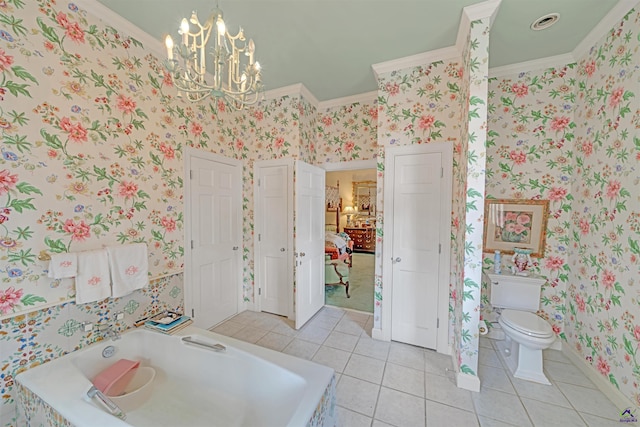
x,y
167,322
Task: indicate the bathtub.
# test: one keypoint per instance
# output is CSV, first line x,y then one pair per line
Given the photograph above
x,y
246,385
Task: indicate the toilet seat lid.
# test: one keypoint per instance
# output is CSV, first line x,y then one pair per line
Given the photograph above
x,y
527,323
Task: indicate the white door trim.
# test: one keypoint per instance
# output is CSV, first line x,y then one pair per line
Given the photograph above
x,y
351,165
190,153
289,163
446,149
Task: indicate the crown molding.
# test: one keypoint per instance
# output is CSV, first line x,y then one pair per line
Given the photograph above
x,y
291,90
482,10
415,60
472,13
536,64
347,100
610,20
306,93
108,16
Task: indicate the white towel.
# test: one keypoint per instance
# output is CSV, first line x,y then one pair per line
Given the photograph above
x,y
129,267
92,281
63,265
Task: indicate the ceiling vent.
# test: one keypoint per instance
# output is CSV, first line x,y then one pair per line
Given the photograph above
x,y
545,21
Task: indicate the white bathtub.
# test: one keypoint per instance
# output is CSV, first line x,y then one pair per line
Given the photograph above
x,y
246,385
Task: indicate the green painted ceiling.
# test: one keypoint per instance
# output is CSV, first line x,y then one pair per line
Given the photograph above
x,y
329,45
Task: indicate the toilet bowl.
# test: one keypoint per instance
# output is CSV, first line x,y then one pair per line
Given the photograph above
x,y
527,335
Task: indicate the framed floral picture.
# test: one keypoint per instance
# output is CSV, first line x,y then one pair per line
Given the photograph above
x,y
510,224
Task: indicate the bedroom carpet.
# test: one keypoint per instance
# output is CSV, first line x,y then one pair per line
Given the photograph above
x,y
361,280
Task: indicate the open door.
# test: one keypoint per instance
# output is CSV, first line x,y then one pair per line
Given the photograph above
x,y
273,209
309,241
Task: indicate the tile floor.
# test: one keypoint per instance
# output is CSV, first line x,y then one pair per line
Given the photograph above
x,y
394,384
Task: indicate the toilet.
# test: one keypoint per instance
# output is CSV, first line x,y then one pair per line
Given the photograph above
x,y
526,334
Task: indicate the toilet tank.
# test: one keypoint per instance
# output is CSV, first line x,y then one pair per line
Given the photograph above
x,y
515,292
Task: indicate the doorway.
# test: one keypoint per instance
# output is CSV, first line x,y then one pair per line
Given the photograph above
x,y
417,242
213,236
355,223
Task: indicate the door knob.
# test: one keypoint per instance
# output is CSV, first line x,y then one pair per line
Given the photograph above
x,y
302,254
282,249
235,248
393,261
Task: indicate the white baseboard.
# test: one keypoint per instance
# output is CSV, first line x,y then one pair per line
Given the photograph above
x,y
468,382
377,334
608,389
557,345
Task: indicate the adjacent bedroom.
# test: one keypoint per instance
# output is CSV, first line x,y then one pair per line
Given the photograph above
x,y
350,239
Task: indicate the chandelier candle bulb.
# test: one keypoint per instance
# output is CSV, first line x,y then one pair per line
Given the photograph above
x,y
168,42
184,29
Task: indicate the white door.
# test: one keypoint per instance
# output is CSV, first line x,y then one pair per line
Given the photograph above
x,y
421,212
213,255
309,241
274,236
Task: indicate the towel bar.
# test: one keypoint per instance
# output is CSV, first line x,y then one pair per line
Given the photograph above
x,y
215,347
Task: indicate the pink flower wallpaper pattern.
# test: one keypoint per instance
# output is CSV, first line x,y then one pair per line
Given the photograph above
x,y
569,134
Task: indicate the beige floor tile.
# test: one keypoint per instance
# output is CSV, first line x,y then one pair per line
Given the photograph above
x,y
332,357
250,334
347,418
373,348
302,349
500,406
341,341
546,414
400,409
357,395
439,414
403,379
365,368
406,355
444,390
274,341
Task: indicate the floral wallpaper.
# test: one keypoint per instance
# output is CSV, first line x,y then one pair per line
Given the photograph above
x,y
569,134
475,149
420,105
92,137
347,132
92,156
529,153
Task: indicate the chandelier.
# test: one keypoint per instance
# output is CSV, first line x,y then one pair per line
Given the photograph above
x,y
233,75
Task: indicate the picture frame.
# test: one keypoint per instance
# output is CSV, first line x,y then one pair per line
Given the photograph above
x,y
515,223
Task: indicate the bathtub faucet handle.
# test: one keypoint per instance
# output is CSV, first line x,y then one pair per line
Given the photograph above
x,y
109,331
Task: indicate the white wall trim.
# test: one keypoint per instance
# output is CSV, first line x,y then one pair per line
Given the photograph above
x,y
415,60
348,100
468,381
352,165
111,18
533,65
609,21
608,389
378,334
482,10
306,93
291,90
472,13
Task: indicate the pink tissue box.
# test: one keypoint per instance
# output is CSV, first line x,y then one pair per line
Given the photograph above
x,y
113,380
